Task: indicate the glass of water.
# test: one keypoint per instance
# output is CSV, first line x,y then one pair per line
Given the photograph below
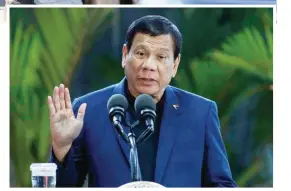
x,y
43,175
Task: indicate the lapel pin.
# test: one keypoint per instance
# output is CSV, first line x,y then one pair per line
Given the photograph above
x,y
176,106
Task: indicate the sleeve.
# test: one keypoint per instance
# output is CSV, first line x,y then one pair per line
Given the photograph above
x,y
72,172
216,170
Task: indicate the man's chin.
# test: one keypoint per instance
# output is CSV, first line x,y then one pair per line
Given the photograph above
x,y
148,90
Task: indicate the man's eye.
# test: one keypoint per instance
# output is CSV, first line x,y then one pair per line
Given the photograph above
x,y
139,53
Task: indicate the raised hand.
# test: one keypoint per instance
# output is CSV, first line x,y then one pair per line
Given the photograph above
x,y
65,127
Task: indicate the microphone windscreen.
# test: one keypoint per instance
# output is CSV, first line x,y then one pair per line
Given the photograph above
x,y
144,101
117,100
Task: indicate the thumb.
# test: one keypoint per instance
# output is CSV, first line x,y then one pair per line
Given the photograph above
x,y
81,112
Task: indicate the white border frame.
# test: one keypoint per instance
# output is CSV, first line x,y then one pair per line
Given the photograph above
x,y
280,119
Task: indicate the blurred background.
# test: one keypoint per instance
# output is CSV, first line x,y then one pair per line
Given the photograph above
x,y
227,56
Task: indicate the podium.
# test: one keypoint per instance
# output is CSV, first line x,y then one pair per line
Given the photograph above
x,y
142,184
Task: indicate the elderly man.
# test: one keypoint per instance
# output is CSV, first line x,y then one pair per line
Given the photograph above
x,y
186,148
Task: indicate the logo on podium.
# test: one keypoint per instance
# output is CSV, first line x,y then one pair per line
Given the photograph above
x,y
142,184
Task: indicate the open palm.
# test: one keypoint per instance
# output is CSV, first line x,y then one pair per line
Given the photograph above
x,y
65,127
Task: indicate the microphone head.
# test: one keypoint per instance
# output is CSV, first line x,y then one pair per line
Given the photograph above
x,y
144,101
117,100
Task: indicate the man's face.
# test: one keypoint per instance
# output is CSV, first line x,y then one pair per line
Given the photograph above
x,y
150,65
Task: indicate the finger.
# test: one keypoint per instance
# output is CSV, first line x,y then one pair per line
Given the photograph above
x,y
56,99
51,106
68,99
81,112
62,96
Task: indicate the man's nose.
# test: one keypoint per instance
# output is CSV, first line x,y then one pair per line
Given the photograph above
x,y
150,64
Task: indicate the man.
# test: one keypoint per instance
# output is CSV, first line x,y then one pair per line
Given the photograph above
x,y
186,149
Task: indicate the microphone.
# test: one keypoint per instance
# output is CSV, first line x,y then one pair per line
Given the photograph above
x,y
145,108
116,106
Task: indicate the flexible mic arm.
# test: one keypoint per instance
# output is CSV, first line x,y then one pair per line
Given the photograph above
x,y
119,128
145,135
147,113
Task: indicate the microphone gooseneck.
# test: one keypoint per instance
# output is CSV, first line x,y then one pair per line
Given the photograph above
x,y
145,108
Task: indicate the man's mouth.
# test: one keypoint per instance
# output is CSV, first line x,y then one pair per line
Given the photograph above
x,y
147,81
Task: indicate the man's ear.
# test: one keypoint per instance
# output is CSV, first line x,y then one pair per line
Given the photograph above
x,y
124,55
176,65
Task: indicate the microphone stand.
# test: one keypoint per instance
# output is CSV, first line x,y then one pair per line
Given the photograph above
x,y
130,139
133,159
133,155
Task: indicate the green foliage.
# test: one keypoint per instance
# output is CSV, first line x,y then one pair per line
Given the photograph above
x,y
38,63
242,68
248,51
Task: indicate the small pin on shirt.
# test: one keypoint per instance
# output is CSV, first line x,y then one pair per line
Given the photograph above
x,y
175,106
